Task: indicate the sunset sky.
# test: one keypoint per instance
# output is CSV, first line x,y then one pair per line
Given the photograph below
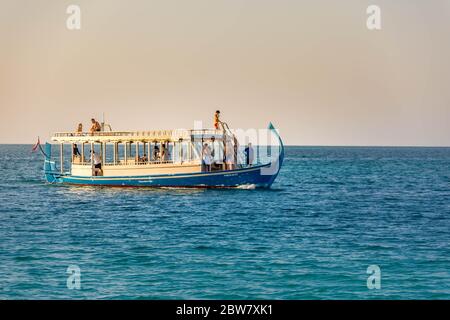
x,y
310,66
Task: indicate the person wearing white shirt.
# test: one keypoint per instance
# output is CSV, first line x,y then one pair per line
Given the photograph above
x,y
97,161
229,156
206,157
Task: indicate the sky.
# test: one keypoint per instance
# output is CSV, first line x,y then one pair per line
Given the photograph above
x,y
312,67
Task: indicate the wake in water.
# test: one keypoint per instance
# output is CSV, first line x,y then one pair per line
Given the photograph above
x,y
247,187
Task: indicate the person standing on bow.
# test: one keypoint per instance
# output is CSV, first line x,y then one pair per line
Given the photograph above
x,y
217,120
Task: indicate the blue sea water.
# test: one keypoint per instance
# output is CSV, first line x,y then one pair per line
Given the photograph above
x,y
332,212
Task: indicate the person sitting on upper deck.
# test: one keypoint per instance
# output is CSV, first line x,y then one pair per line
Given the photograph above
x,y
80,128
96,127
216,119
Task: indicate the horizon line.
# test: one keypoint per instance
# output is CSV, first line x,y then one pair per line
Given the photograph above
x,y
303,145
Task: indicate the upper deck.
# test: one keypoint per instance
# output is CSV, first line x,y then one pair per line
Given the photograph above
x,y
141,136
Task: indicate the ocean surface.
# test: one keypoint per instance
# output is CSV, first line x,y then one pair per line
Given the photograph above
x,y
332,213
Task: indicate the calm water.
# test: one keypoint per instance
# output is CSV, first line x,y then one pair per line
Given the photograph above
x,y
331,213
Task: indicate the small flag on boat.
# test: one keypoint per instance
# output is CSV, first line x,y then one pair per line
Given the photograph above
x,y
38,143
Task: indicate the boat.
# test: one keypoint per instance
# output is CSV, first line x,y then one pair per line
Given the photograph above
x,y
136,159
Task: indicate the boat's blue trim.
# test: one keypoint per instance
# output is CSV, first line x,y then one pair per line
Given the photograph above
x,y
177,175
232,178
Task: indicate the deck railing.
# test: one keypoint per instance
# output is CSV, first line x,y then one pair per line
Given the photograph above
x,y
131,134
129,162
112,133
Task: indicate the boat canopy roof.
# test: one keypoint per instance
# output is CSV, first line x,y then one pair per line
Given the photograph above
x,y
176,135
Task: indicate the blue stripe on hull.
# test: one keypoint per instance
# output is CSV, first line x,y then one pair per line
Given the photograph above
x,y
225,179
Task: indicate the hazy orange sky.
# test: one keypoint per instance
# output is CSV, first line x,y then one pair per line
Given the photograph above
x,y
312,67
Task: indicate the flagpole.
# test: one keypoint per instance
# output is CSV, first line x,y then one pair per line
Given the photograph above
x,y
38,145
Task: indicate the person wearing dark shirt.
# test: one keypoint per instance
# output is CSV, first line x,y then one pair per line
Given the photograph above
x,y
76,152
249,154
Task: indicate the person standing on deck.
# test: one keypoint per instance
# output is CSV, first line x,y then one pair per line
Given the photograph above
x,y
216,119
206,157
229,156
97,161
249,154
75,152
156,153
235,148
163,152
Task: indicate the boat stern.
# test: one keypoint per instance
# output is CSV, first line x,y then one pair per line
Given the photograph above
x,y
51,173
